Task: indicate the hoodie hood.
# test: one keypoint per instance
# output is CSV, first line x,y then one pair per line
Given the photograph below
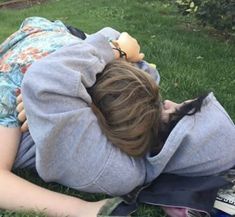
x,y
199,145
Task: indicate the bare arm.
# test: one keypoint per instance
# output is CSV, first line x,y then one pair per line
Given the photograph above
x,y
19,194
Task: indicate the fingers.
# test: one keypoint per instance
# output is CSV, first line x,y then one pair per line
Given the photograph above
x,y
22,116
20,107
24,127
21,111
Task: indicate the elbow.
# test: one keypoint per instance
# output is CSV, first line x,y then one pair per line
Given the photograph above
x,y
122,184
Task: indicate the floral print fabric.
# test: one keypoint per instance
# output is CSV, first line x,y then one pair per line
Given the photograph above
x,y
36,38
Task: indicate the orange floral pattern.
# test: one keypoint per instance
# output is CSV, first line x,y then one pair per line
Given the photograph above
x,y
36,38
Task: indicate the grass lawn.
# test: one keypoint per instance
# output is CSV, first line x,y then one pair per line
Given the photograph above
x,y
191,60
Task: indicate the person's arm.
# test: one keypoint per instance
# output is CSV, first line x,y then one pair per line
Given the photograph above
x,y
124,41
19,194
61,122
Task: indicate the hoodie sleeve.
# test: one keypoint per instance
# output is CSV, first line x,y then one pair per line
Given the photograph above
x,y
70,146
57,104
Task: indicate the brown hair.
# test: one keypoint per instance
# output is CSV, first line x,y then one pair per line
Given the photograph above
x,y
126,103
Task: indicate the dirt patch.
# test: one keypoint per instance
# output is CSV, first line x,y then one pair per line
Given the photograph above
x,y
20,4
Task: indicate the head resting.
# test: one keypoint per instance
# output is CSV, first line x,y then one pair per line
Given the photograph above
x,y
126,102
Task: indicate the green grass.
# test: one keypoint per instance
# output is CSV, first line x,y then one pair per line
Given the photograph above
x,y
190,59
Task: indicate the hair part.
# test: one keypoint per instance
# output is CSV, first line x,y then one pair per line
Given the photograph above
x,y
126,102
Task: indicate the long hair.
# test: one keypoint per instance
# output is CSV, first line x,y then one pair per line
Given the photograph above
x,y
126,102
164,129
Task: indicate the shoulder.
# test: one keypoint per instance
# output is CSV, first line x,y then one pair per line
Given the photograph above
x,y
214,108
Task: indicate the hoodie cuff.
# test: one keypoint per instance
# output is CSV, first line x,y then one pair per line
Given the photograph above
x,y
101,43
109,33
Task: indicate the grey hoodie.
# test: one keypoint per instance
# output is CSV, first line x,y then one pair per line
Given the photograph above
x,y
70,147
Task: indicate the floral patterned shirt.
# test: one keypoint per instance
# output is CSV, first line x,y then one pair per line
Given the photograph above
x,y
36,38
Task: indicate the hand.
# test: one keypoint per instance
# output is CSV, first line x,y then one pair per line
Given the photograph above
x,y
21,115
130,46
